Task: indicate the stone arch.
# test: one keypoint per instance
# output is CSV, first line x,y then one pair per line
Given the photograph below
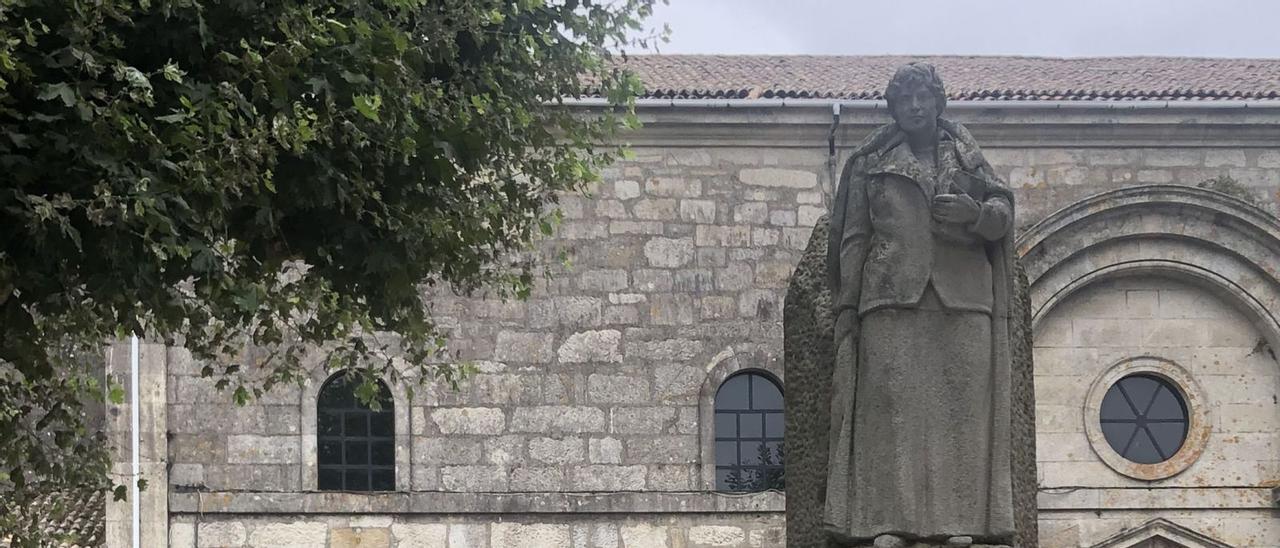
x,y
1212,240
318,377
723,365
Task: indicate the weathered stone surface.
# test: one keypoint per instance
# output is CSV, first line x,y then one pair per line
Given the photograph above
x,y
662,449
668,252
557,450
474,478
671,310
644,536
359,537
660,209
716,535
537,479
182,534
518,346
786,178
420,535
591,346
673,187
698,211
298,534
468,535
535,535
564,311
469,420
603,388
222,533
751,213
667,350
626,190
603,280
604,477
447,450
605,451
722,236
254,449
642,420
559,419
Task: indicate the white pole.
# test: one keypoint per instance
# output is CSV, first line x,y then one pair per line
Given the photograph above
x,y
133,435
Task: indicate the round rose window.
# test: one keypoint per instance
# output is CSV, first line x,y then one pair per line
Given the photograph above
x,y
1144,418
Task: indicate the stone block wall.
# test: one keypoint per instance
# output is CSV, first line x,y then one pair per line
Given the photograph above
x,y
1084,501
678,265
1046,179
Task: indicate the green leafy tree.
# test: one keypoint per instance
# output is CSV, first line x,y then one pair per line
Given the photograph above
x,y
286,174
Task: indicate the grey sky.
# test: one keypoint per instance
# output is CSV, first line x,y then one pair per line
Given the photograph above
x,y
1063,28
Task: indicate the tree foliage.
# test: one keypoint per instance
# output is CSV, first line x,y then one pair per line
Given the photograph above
x,y
284,173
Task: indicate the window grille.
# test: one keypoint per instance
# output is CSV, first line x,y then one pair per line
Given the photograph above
x,y
1144,418
748,434
356,444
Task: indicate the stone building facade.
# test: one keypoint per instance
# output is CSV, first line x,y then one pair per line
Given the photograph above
x,y
590,423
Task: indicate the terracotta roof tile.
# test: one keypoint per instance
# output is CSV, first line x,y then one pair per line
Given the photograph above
x,y
967,78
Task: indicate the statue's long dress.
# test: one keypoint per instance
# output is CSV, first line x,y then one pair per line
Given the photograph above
x,y
921,438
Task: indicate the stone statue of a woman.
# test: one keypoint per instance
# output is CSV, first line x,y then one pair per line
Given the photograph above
x,y
919,262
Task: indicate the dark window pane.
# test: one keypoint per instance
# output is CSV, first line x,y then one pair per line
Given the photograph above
x,y
1118,434
357,452
775,479
722,479
383,480
1142,450
738,479
358,480
726,453
330,452
751,424
330,479
1167,405
1115,407
1168,436
382,424
751,452
765,394
336,394
350,434
330,424
773,425
726,425
1144,418
357,424
773,452
384,453
1141,389
748,410
733,394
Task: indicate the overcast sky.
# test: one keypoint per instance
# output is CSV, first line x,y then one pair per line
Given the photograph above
x,y
1060,28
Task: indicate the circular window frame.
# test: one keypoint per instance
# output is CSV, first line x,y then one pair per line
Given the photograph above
x,y
1198,425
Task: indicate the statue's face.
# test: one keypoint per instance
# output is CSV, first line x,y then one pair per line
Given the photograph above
x,y
916,110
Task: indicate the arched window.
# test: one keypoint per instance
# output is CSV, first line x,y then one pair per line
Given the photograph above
x,y
748,433
355,444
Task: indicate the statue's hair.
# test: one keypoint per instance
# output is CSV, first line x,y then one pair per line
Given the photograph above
x,y
914,74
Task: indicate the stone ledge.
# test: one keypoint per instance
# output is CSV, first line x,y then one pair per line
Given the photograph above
x,y
433,502
1160,498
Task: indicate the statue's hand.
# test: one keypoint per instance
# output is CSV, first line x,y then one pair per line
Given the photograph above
x,y
955,208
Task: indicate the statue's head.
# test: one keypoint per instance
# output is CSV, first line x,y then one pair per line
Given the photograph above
x,y
916,97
